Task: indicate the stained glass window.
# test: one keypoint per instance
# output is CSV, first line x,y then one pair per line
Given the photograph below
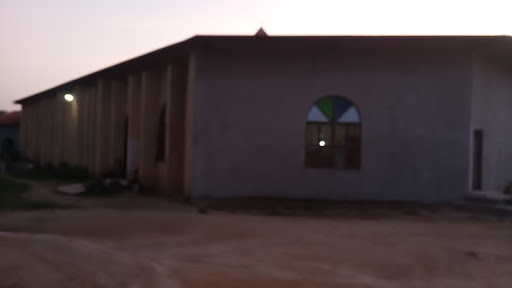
x,y
333,134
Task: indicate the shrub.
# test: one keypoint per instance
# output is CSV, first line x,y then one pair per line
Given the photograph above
x,y
11,197
104,187
64,171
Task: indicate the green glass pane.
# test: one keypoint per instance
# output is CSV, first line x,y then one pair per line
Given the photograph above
x,y
326,105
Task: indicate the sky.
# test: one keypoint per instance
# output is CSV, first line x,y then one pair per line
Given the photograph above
x,y
44,43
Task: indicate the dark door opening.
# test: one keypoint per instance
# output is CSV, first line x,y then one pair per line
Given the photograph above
x,y
477,159
125,139
7,147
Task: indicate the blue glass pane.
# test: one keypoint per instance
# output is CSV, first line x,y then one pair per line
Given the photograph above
x,y
341,105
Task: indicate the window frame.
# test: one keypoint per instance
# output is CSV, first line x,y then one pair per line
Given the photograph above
x,y
333,124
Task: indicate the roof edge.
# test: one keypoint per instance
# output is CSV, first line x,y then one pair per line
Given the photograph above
x,y
126,62
196,38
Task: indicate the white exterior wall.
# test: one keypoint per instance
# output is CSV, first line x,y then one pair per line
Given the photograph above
x,y
491,111
250,120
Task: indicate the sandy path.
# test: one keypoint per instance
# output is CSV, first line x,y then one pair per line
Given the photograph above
x,y
43,260
106,248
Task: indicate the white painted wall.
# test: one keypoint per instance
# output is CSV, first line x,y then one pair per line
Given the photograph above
x,y
491,111
251,107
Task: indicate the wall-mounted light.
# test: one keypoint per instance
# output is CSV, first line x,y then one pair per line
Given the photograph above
x,y
321,143
69,97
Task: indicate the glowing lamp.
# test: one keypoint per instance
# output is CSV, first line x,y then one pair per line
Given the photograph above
x,y
321,143
69,97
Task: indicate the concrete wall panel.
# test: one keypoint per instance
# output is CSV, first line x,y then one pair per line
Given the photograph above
x,y
491,112
251,109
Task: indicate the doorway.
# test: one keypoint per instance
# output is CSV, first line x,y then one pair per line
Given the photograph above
x,y
477,159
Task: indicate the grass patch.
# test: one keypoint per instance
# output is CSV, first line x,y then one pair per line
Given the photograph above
x,y
11,197
49,172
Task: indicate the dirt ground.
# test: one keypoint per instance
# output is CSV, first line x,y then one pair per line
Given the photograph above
x,y
174,246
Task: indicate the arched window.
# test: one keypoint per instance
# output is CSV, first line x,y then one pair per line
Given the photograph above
x,y
333,134
160,145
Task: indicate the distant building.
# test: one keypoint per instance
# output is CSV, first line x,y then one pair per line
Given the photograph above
x,y
9,132
381,118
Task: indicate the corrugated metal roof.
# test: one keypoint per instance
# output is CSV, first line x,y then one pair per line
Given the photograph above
x,y
498,46
10,118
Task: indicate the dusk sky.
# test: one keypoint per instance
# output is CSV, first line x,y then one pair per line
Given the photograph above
x,y
44,43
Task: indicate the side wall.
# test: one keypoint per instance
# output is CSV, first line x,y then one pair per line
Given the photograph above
x,y
251,109
112,125
87,131
491,111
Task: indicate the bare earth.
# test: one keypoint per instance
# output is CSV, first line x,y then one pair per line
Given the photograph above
x,y
174,246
